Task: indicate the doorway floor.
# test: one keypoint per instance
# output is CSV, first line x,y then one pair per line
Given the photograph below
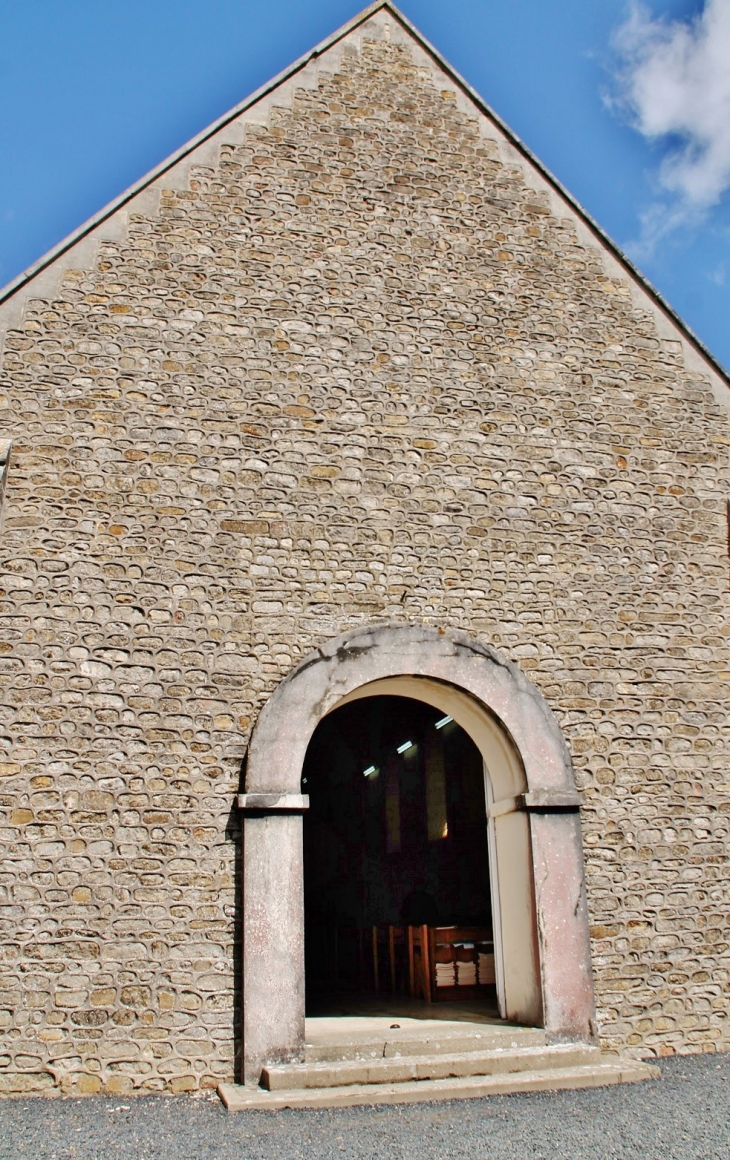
x,y
364,1005
331,1038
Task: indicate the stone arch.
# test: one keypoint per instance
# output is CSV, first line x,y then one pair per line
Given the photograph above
x,y
535,836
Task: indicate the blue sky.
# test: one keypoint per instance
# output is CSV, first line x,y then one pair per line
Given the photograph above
x,y
625,110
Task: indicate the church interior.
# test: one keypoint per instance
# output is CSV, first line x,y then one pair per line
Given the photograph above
x,y
397,884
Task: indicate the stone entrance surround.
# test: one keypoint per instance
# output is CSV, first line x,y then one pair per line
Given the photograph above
x,y
534,811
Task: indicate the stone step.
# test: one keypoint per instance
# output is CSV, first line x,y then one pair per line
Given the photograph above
x,y
404,1068
613,1071
447,1039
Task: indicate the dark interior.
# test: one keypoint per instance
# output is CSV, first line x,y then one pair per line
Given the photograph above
x,y
395,834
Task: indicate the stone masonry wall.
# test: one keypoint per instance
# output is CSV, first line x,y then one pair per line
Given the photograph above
x,y
356,371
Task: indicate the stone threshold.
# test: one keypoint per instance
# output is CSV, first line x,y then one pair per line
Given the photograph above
x,y
239,1099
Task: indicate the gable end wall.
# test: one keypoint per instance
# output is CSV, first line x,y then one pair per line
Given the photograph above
x,y
354,364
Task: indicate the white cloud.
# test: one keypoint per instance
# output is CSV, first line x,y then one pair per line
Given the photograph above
x,y
719,274
674,82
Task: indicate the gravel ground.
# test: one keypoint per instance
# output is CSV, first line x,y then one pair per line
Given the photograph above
x,y
683,1116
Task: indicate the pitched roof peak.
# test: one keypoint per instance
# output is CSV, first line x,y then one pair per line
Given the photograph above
x,y
605,242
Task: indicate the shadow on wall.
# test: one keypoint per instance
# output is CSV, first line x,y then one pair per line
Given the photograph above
x,y
5,446
234,833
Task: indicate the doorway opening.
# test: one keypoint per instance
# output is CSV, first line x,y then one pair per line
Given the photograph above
x,y
537,880
397,892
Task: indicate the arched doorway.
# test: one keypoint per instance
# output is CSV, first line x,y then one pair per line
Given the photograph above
x,y
532,808
397,883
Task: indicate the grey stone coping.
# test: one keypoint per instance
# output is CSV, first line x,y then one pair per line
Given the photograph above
x,y
273,801
539,800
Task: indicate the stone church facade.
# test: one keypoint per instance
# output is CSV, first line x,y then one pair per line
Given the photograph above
x,y
351,361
